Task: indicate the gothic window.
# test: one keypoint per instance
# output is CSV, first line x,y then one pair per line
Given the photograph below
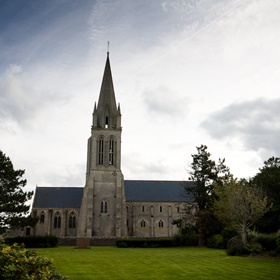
x,y
42,217
101,151
143,208
57,220
104,207
160,223
160,208
178,209
72,220
111,152
143,224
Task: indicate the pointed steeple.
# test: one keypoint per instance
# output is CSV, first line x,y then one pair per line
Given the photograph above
x,y
107,112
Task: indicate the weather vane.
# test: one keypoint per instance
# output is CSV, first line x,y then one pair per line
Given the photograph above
x,y
108,43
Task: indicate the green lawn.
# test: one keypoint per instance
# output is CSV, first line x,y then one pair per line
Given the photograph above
x,y
159,263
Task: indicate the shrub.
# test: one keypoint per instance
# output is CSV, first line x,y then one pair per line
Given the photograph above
x,y
216,241
187,237
122,244
255,248
18,263
268,241
235,247
37,241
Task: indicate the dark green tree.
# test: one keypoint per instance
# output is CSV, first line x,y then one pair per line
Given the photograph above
x,y
269,180
205,173
13,208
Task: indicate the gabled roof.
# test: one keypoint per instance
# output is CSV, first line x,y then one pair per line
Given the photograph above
x,y
58,197
135,191
157,191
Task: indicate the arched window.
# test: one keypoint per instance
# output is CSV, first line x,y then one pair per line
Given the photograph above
x,y
104,207
143,208
160,223
111,152
143,223
57,220
42,217
101,151
72,220
160,208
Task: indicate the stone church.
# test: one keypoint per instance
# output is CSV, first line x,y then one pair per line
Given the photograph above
x,y
109,206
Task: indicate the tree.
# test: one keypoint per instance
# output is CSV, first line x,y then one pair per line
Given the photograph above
x,y
13,209
268,179
239,204
205,172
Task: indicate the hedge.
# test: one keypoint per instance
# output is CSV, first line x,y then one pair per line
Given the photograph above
x,y
144,242
37,241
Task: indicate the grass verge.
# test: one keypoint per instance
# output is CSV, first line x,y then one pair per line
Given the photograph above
x,y
159,263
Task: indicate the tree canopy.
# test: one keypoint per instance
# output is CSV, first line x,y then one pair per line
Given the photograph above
x,y
268,179
205,173
13,208
239,204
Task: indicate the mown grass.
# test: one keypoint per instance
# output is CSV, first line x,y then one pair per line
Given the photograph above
x,y
159,263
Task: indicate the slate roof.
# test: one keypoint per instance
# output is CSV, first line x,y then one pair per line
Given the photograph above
x,y
58,197
135,191
156,191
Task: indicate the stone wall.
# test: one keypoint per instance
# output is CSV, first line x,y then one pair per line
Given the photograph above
x,y
153,219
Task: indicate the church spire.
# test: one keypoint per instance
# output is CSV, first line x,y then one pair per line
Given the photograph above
x,y
107,113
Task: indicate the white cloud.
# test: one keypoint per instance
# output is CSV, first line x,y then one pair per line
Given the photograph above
x,y
163,101
255,123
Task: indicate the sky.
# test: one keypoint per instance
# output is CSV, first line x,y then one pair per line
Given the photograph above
x,y
185,73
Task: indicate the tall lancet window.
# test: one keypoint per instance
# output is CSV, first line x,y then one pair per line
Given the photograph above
x,y
106,121
104,206
111,152
101,151
57,220
72,220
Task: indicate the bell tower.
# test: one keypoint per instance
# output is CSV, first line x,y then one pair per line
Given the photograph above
x,y
103,211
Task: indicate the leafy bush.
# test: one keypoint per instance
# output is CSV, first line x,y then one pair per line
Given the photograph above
x,y
187,237
46,241
18,263
144,242
268,241
255,248
235,247
122,244
216,241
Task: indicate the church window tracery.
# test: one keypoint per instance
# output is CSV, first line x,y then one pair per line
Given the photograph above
x,y
72,220
104,207
143,223
160,224
57,220
111,152
101,151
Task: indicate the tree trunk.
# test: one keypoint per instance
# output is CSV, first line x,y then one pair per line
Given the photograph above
x,y
201,234
244,235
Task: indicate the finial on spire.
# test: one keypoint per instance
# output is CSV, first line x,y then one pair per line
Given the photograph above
x,y
108,44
